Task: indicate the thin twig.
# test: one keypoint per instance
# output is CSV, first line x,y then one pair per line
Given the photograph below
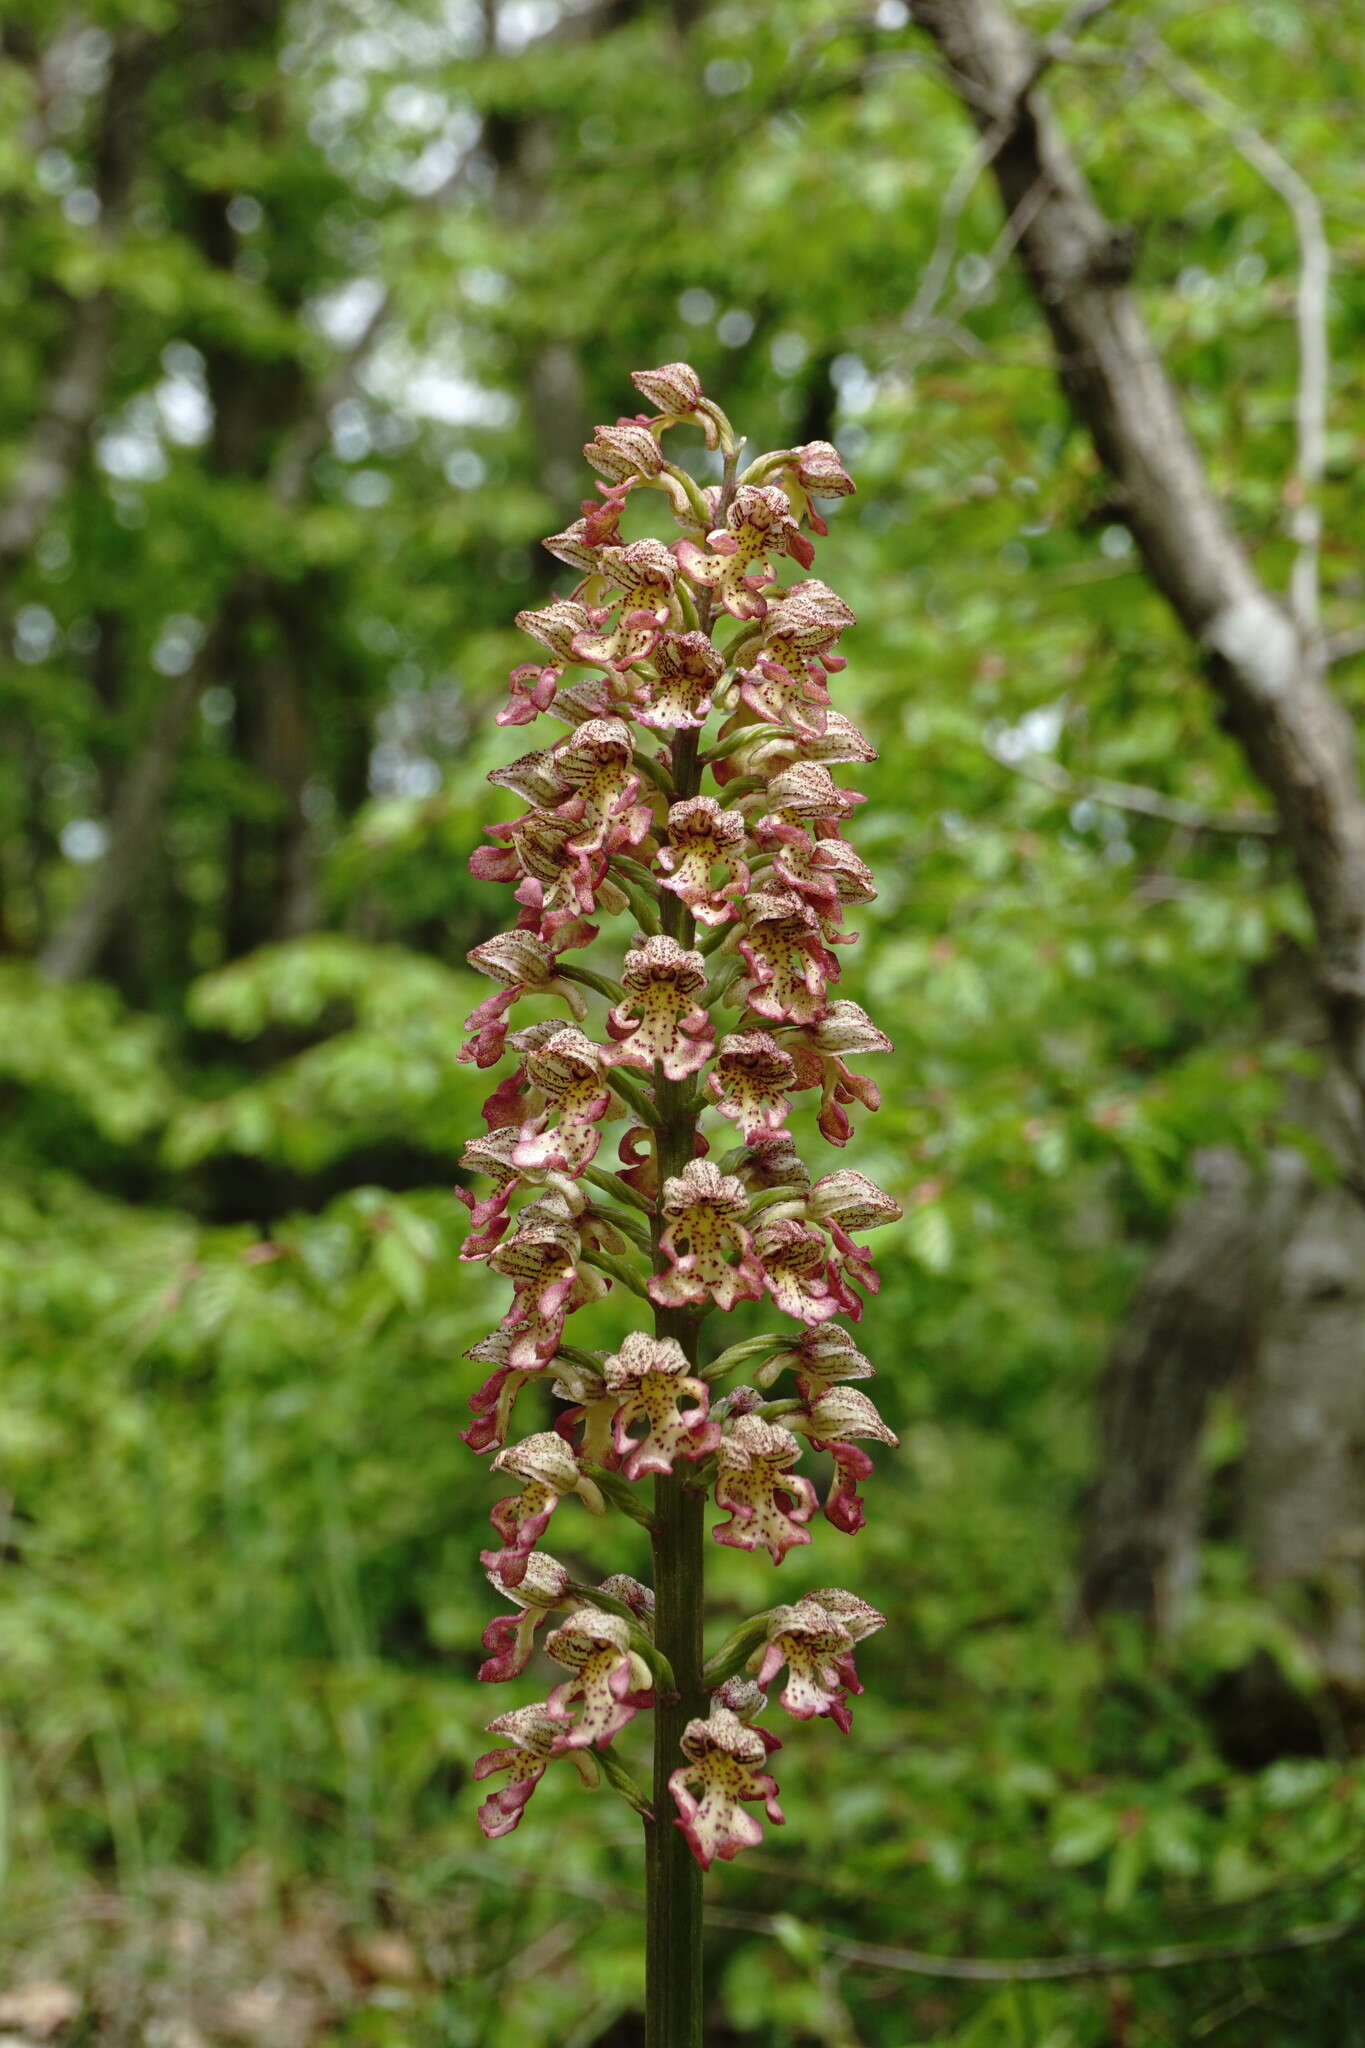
x,y
1054,1969
1343,646
1058,46
961,1969
1310,306
1132,796
922,308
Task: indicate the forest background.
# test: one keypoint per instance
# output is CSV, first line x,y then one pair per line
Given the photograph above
x,y
308,309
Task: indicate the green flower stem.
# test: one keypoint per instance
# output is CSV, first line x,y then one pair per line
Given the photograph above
x,y
673,1975
769,1198
617,1269
621,1495
743,785
620,1780
611,989
629,1226
735,1652
612,1184
656,773
692,492
622,864
714,940
747,1352
646,916
576,1355
631,1092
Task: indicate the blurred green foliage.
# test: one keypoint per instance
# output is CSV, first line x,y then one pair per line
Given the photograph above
x,y
238,1531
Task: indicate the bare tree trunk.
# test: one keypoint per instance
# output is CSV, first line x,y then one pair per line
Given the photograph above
x,y
58,436
76,945
1190,1330
1303,1477
75,392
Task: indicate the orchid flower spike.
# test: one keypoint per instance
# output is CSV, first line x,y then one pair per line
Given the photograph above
x,y
692,789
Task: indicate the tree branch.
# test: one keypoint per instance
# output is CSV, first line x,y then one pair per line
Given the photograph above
x,y
1296,736
55,440
1310,312
1053,1969
964,181
1132,796
76,387
968,1969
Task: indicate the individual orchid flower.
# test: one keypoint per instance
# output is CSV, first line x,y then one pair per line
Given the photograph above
x,y
543,1586
586,1426
533,685
648,1378
794,1264
769,1504
595,764
786,683
676,389
628,455
759,524
812,471
817,1050
540,1258
705,1211
488,1217
551,1274
814,862
623,451
535,855
544,1259
773,1164
826,871
839,1420
660,1018
724,1759
609,1679
702,837
644,574
525,964
746,1702
686,669
815,1639
549,1471
535,1734
786,949
570,1073
750,1082
805,795
495,1399
820,1359
846,1201
639,1599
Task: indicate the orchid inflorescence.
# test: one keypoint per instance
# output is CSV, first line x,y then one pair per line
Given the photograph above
x,y
720,1014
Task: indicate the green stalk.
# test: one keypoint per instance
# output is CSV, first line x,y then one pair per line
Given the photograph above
x,y
673,1975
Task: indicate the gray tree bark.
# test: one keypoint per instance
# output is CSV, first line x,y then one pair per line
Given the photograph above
x,y
1267,676
1191,1330
1264,1279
